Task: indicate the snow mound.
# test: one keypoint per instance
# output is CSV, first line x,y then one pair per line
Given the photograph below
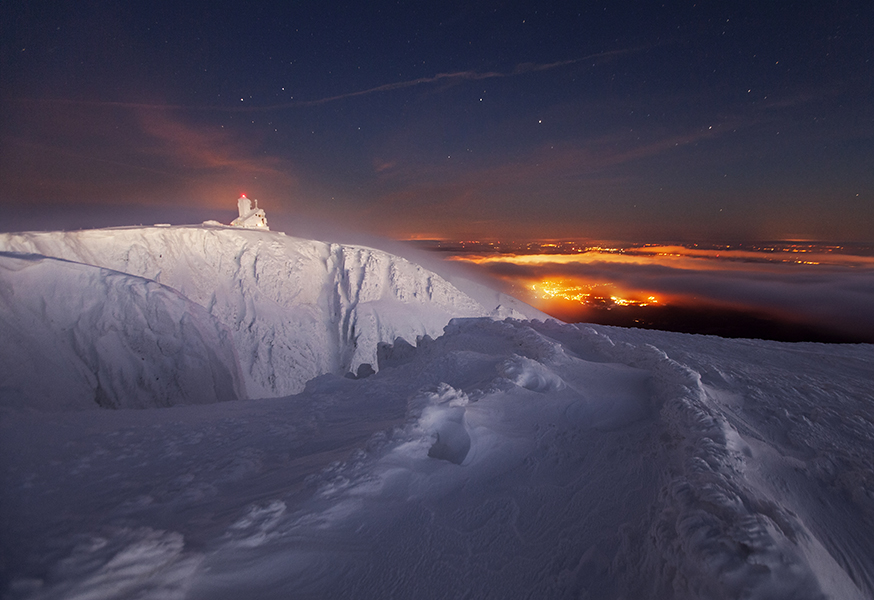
x,y
295,308
77,336
501,459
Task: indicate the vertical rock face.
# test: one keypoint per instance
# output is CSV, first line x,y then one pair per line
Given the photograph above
x,y
294,308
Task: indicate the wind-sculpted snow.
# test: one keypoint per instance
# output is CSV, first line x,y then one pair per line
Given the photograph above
x,y
296,308
77,336
501,459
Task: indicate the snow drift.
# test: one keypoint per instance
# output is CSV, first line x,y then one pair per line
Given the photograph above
x,y
76,336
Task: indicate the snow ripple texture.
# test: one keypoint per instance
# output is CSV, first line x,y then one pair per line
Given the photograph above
x,y
295,308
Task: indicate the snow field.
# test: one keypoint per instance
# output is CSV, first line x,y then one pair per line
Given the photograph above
x,y
500,459
484,458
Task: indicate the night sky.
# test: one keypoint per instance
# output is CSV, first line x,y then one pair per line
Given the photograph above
x,y
621,120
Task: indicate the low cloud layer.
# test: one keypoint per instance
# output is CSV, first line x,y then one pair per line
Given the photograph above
x,y
826,296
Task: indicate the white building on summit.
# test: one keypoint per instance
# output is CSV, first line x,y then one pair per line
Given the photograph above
x,y
250,216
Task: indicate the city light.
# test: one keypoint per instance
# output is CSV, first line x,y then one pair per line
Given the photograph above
x,y
585,293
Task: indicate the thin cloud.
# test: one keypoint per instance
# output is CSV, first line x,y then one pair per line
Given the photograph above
x,y
458,76
213,159
521,69
83,157
150,157
549,165
198,148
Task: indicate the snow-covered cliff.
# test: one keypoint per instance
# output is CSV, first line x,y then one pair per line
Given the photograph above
x,y
295,308
77,336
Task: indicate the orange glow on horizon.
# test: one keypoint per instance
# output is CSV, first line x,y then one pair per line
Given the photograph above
x,y
567,278
679,257
789,291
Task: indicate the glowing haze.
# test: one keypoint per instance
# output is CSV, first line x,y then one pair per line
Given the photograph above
x,y
790,291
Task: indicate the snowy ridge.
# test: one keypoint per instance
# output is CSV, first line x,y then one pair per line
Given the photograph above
x,y
295,308
709,510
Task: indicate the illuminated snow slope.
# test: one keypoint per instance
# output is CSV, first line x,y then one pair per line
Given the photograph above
x,y
295,308
502,459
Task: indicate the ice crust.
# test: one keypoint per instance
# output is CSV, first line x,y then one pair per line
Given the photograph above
x,y
491,459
